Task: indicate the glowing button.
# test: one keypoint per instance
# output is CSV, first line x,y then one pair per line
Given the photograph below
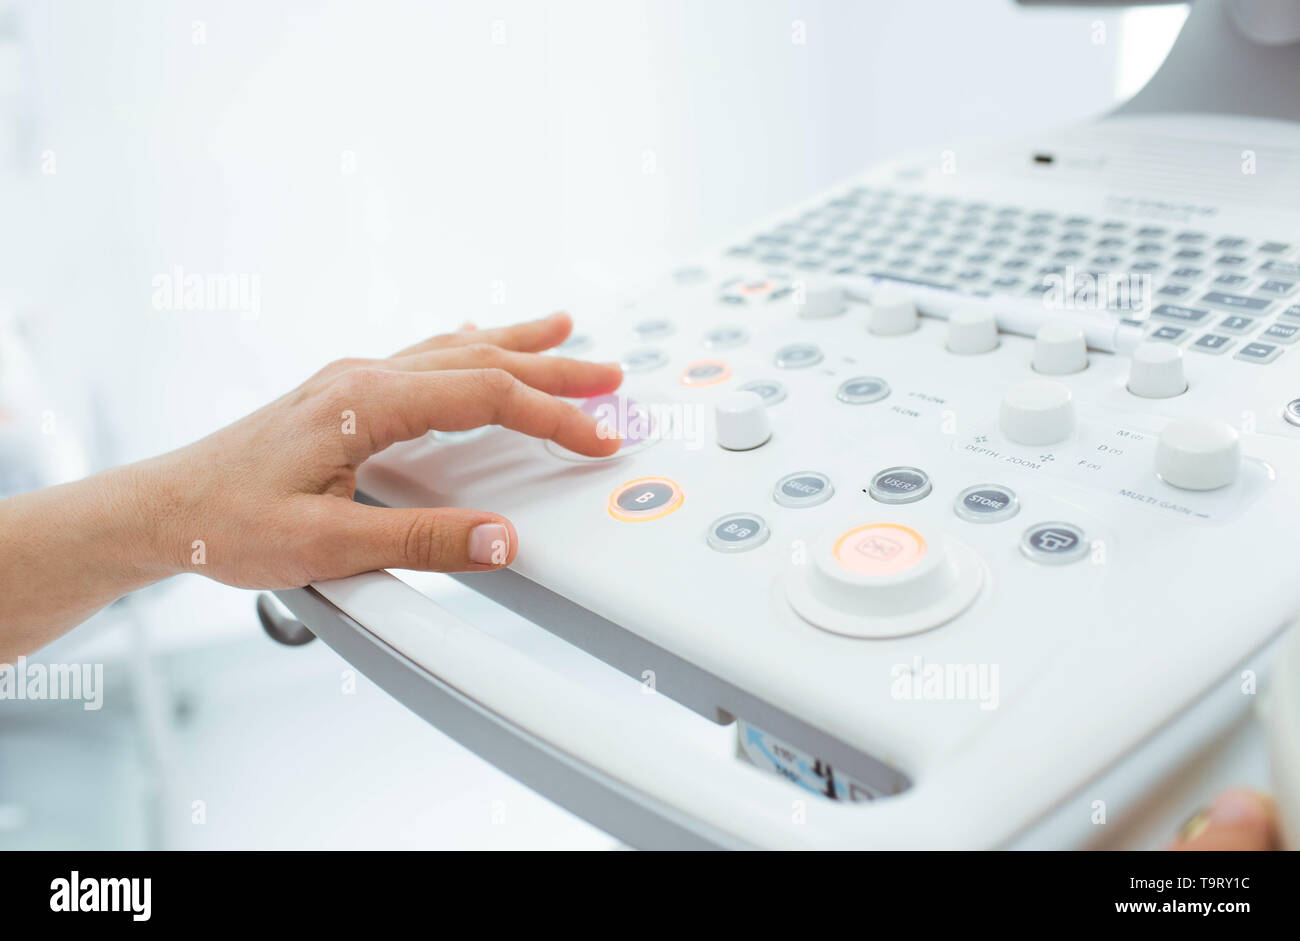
x,y
879,549
646,498
706,372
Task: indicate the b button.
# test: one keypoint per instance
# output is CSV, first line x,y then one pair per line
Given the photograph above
x,y
646,498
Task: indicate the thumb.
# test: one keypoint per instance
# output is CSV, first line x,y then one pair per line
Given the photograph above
x,y
435,539
1236,820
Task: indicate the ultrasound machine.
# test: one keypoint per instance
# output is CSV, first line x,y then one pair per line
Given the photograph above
x,y
959,507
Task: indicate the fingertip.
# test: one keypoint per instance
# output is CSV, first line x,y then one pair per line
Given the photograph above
x,y
493,543
1238,819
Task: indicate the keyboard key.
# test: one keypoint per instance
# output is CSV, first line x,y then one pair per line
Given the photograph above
x,y
1144,267
1212,343
1259,352
1174,291
1276,288
1170,334
1108,244
1237,324
1281,333
1230,243
1273,248
1187,273
1231,280
1149,248
1189,254
1281,269
1230,261
1292,312
1151,232
1179,314
1225,301
1191,237
1114,225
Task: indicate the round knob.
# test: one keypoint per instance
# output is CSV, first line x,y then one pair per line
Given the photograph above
x,y
1037,412
1198,454
814,301
891,314
1156,371
1060,349
742,422
971,330
883,579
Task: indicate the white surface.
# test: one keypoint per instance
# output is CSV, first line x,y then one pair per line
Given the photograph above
x,y
891,314
1094,656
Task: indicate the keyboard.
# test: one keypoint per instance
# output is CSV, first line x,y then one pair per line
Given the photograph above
x,y
904,503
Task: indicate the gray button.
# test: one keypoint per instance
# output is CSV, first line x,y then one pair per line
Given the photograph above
x,y
1226,301
1231,280
725,338
1281,269
769,390
1237,324
862,390
644,497
803,489
1179,314
1280,333
798,356
1259,352
1169,334
576,343
1174,290
643,360
691,275
1291,412
737,532
1054,543
986,503
1212,343
900,485
653,329
1292,312
1276,288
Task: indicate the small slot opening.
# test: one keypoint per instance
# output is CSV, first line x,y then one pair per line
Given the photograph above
x,y
1044,158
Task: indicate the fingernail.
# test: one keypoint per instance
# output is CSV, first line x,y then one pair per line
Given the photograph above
x,y
1194,825
489,544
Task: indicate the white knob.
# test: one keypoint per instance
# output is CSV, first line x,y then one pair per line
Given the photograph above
x,y
881,579
742,422
891,314
1060,349
816,300
971,331
1037,412
1198,454
1156,371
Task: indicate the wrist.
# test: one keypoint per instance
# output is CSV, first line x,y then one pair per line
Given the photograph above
x,y
141,515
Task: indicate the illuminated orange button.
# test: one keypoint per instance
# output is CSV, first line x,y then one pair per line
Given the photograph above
x,y
706,372
879,549
646,498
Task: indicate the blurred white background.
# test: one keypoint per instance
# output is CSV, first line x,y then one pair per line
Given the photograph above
x,y
388,170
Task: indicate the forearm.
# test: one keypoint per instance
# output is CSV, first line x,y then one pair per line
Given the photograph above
x,y
67,551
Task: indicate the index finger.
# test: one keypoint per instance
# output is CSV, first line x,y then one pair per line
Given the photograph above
x,y
398,406
532,336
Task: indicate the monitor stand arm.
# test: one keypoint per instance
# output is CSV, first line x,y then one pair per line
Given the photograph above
x,y
1215,68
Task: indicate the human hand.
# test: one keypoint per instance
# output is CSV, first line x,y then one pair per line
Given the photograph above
x,y
1236,820
267,502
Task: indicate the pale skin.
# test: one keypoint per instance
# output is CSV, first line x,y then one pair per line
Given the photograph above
x,y
269,499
